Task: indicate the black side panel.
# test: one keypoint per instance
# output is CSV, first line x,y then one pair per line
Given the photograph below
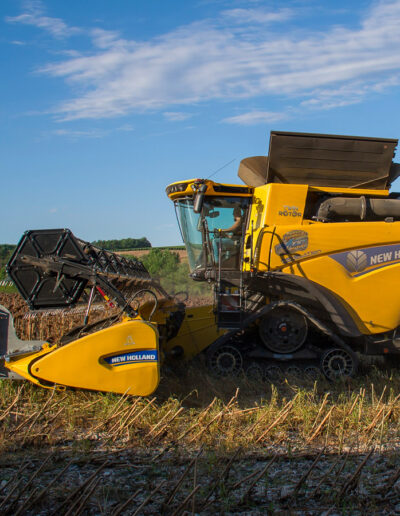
x,y
312,296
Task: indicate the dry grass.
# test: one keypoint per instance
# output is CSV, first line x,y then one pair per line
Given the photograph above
x,y
221,444
202,411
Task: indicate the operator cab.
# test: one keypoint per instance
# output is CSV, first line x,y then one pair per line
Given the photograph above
x,y
212,227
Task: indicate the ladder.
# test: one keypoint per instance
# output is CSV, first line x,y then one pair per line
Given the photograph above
x,y
229,294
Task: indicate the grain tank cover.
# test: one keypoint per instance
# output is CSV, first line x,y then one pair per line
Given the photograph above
x,y
325,160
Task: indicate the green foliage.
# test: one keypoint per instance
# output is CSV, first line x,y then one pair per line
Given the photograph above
x,y
161,262
165,266
124,243
6,251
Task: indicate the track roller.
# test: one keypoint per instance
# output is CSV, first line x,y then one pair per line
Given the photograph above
x,y
225,360
255,372
294,371
312,372
274,373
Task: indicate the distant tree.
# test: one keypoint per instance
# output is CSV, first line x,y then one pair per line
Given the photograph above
x,y
161,262
124,243
6,251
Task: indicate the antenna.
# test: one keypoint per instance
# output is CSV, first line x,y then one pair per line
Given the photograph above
x,y
223,166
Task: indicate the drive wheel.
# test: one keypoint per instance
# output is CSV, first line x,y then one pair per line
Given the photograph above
x,y
225,360
337,363
283,330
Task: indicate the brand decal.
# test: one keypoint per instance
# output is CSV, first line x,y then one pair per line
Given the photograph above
x,y
133,357
129,341
293,241
362,261
290,211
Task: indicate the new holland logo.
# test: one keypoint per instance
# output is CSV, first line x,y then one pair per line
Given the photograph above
x,y
150,355
356,261
368,259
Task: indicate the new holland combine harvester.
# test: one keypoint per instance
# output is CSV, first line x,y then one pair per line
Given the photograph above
x,y
304,258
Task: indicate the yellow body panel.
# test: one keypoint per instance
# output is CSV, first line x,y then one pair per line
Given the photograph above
x,y
197,332
349,191
318,252
369,293
20,363
123,358
186,189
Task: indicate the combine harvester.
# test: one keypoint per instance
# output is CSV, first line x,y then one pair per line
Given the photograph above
x,y
303,258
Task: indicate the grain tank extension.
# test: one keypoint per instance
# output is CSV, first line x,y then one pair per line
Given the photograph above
x,y
304,256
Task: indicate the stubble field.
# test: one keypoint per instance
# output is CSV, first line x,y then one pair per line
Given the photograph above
x,y
202,445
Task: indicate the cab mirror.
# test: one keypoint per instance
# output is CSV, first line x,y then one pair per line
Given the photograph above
x,y
199,199
213,214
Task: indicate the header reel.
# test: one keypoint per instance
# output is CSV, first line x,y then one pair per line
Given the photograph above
x,y
52,268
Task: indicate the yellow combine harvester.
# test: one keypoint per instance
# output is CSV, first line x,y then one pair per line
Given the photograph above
x,y
304,259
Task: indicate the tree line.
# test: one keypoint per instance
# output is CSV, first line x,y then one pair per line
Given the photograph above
x,y
124,243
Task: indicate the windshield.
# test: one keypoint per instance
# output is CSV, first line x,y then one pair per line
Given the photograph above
x,y
218,213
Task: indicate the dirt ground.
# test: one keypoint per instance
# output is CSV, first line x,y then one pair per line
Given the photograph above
x,y
132,482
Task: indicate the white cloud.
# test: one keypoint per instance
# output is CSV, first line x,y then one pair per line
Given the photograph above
x,y
258,15
349,93
91,133
219,60
176,116
34,15
125,128
255,117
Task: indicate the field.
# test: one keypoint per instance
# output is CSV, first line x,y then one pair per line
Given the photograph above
x,y
140,253
201,445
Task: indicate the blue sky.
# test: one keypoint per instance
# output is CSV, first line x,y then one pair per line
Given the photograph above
x,y
105,103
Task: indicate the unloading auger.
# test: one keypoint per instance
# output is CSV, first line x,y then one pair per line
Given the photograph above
x,y
121,353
